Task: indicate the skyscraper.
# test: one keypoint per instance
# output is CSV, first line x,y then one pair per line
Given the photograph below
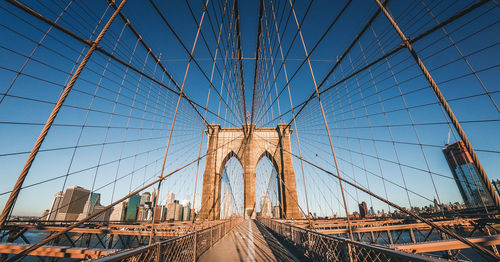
x,y
119,212
56,204
73,203
159,213
265,207
152,198
178,211
363,210
145,198
93,200
133,205
142,213
226,206
174,211
186,210
170,216
464,171
169,198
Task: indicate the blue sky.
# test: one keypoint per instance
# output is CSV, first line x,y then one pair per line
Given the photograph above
x,y
119,143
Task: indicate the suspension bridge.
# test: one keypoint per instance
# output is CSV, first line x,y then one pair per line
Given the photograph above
x,y
271,130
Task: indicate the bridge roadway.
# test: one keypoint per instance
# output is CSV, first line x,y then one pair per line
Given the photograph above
x,y
249,241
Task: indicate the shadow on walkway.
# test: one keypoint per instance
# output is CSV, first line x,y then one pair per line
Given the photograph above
x,y
249,241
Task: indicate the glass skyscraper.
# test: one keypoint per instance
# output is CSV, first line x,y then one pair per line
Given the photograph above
x,y
133,205
464,171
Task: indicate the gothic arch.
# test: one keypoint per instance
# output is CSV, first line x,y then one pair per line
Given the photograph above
x,y
249,145
271,158
226,159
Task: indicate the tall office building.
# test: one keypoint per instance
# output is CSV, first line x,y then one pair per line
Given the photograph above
x,y
186,210
119,212
174,211
464,171
73,202
132,207
145,198
56,204
178,211
363,210
265,207
226,206
152,198
104,216
159,213
170,216
93,200
169,198
142,213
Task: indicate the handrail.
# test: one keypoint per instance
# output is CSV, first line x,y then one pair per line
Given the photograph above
x,y
182,248
322,247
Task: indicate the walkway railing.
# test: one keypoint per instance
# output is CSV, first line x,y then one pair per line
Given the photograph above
x,y
184,248
320,247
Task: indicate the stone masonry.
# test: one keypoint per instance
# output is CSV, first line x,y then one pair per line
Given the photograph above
x,y
248,144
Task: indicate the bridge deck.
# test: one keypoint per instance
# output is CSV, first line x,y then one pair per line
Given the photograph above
x,y
249,241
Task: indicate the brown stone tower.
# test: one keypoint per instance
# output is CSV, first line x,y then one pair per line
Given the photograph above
x,y
248,144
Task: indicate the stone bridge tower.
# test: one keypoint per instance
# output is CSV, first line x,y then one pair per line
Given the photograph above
x,y
248,144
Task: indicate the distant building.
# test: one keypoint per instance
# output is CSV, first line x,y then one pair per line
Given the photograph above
x,y
56,204
178,211
93,200
265,207
145,198
169,198
276,212
119,212
132,208
363,210
142,213
186,210
464,171
170,216
226,206
104,216
73,203
158,212
174,211
152,198
371,211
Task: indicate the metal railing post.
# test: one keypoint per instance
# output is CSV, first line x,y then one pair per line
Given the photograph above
x,y
308,240
347,251
195,245
158,252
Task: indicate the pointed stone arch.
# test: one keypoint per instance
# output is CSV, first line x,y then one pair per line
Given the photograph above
x,y
271,158
248,144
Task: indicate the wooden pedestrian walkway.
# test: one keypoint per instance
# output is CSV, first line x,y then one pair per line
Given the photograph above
x,y
249,241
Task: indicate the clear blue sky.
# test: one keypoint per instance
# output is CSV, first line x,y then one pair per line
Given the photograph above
x,y
140,111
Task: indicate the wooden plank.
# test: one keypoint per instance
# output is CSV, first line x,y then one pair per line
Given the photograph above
x,y
451,244
56,251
